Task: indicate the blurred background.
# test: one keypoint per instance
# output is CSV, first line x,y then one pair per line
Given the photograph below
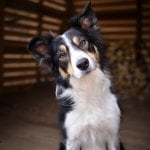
x,y
28,109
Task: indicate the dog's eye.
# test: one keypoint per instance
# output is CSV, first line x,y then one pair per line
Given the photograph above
x,y
82,43
62,54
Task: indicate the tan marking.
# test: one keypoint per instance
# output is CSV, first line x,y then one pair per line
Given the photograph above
x,y
76,40
94,55
63,73
70,69
97,53
63,48
96,49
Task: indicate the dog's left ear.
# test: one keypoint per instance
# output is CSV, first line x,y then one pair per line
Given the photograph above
x,y
86,20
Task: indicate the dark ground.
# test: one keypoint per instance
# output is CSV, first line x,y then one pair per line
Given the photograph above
x,y
28,121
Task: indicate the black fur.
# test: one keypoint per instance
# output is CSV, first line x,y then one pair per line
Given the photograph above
x,y
62,146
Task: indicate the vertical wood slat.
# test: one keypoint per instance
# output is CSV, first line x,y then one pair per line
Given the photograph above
x,y
70,11
2,4
39,32
139,27
138,23
70,8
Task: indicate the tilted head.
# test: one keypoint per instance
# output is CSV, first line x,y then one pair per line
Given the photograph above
x,y
76,52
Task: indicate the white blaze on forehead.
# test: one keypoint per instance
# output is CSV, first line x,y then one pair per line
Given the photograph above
x,y
75,55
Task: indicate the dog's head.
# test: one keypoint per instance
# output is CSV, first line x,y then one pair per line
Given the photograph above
x,y
74,53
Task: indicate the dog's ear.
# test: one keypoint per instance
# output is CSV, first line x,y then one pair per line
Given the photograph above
x,y
86,20
40,48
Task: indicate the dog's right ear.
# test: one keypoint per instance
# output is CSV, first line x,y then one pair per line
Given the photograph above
x,y
39,46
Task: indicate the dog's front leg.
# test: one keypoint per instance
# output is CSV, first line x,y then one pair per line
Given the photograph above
x,y
113,143
72,144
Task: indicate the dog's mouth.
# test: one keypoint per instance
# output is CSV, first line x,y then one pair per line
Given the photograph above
x,y
88,71
85,73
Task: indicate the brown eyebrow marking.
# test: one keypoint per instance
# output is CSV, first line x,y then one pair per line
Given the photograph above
x,y
76,40
63,48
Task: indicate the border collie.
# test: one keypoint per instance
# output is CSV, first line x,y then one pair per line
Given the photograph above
x,y
89,114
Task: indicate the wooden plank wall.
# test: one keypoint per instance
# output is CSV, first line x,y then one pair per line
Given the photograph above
x,y
21,20
118,18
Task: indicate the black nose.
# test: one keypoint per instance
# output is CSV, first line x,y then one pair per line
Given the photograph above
x,y
83,64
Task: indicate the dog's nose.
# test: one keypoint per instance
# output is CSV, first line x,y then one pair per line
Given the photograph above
x,y
83,64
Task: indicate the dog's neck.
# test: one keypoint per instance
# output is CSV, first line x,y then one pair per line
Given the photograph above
x,y
95,80
92,88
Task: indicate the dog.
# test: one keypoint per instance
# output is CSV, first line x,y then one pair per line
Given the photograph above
x,y
89,113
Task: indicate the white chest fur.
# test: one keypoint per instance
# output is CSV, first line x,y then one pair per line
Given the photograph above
x,y
94,121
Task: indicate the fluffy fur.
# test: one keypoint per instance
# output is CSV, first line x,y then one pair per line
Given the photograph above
x,y
89,114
